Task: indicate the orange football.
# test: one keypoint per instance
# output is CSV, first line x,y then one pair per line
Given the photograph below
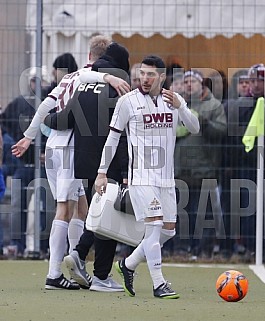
x,y
232,286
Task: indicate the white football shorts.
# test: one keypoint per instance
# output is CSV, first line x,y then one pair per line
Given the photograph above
x,y
59,165
152,201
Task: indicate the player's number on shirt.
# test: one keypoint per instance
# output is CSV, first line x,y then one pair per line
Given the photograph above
x,y
66,86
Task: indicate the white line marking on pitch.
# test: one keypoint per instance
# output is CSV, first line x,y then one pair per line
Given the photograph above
x,y
259,270
210,266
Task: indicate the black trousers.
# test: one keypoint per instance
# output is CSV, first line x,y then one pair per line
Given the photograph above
x,y
104,249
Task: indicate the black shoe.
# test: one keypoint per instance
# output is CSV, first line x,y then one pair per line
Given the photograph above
x,y
60,284
74,282
127,276
164,291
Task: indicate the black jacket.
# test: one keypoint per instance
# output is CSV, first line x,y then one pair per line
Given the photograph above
x,y
16,119
89,113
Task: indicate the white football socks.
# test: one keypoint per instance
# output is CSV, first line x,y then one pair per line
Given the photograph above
x,y
137,256
75,230
166,235
58,243
150,249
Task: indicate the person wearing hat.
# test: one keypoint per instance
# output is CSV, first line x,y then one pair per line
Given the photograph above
x,y
243,168
87,115
67,190
197,161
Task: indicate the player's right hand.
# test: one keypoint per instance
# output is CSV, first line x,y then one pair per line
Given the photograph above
x,y
101,183
121,86
21,147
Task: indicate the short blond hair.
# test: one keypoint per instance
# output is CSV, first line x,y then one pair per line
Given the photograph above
x,y
98,46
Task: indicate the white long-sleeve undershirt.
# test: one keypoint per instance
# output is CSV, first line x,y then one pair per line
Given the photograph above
x,y
41,113
109,151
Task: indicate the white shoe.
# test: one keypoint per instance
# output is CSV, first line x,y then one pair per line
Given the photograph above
x,y
77,270
108,285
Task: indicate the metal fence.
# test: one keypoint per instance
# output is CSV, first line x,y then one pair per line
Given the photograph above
x,y
34,33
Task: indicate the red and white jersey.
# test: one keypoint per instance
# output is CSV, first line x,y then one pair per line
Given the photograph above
x,y
151,134
62,93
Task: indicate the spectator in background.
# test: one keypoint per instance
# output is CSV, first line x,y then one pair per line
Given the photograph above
x,y
15,119
239,87
173,66
197,162
9,166
134,76
177,84
217,83
243,167
2,191
62,65
10,162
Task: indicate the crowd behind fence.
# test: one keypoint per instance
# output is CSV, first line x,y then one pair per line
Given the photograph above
x,y
216,212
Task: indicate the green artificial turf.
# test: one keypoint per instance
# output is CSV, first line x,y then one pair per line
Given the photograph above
x,y
24,298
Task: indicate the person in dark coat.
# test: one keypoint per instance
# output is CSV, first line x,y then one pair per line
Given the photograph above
x,y
89,114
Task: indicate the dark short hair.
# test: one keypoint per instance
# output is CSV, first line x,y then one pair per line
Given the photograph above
x,y
65,61
156,61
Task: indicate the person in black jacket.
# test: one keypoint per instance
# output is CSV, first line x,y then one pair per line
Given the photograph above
x,y
243,168
14,120
89,113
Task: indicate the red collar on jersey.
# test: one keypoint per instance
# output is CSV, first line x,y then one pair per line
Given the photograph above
x,y
88,65
153,99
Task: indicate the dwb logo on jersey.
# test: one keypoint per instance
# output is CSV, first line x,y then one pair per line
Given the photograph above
x,y
158,120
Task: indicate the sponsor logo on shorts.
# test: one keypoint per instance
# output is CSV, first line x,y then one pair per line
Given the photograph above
x,y
154,205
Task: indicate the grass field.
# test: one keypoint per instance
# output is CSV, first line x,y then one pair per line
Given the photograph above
x,y
23,297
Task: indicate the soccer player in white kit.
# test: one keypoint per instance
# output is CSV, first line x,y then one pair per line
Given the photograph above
x,y
59,164
150,116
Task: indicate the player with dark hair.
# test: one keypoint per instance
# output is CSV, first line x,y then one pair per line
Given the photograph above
x,y
150,115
